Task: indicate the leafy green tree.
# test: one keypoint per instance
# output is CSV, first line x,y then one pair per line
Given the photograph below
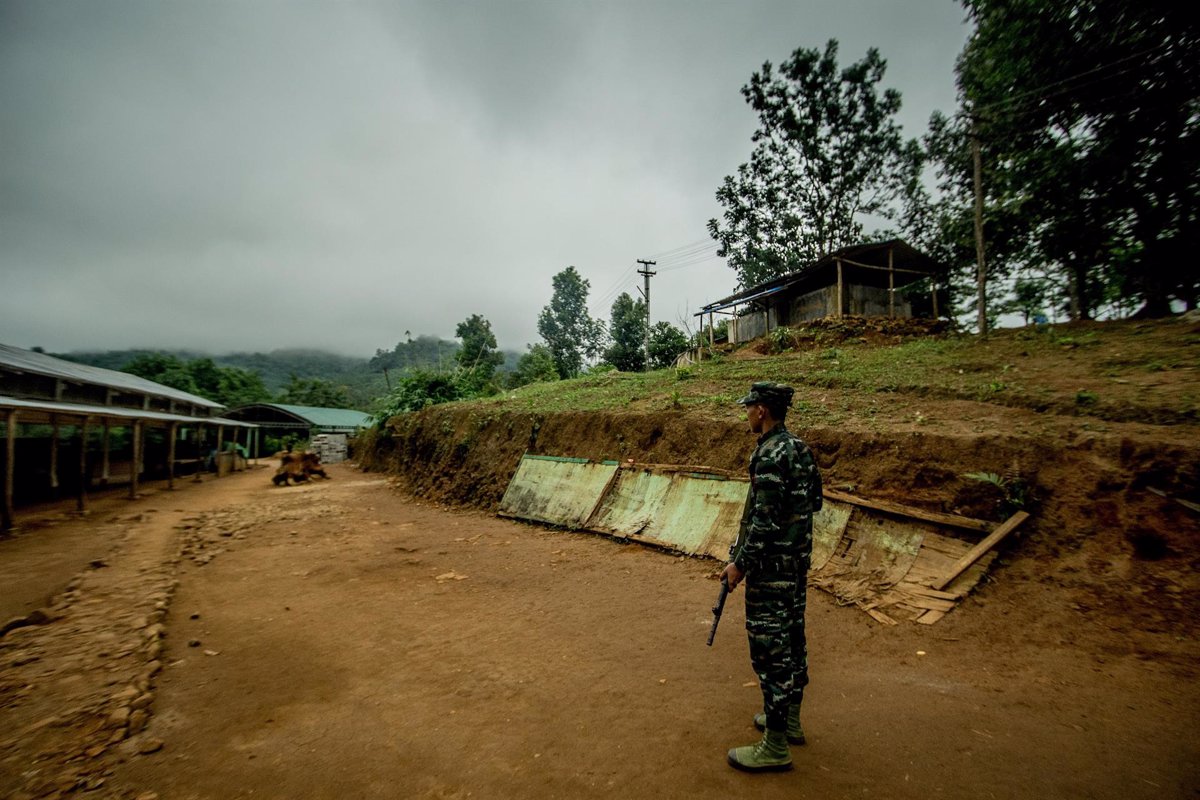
x,y
419,388
166,369
569,331
534,366
828,151
228,386
1028,298
239,387
426,352
479,355
666,343
628,334
1088,114
316,392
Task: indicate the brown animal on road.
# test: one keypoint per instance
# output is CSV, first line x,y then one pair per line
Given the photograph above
x,y
298,467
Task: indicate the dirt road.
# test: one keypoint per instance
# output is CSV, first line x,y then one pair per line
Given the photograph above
x,y
340,640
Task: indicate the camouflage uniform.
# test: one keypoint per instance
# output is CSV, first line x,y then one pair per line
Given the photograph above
x,y
774,548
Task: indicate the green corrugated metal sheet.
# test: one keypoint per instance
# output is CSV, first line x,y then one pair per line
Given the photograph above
x,y
689,512
326,417
828,526
557,492
860,554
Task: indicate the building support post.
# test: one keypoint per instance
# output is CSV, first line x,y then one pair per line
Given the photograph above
x,y
55,431
220,443
135,467
172,434
104,454
891,284
199,455
840,291
10,468
933,280
81,500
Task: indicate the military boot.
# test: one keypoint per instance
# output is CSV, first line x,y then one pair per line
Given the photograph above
x,y
769,755
795,734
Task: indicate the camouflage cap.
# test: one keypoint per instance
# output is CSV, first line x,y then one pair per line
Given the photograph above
x,y
769,393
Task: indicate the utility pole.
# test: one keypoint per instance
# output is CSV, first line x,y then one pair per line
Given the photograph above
x,y
977,164
646,273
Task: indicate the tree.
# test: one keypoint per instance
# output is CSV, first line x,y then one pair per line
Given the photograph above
x,y
479,355
1089,112
828,151
228,386
240,387
666,343
165,369
419,388
315,392
534,366
569,331
628,334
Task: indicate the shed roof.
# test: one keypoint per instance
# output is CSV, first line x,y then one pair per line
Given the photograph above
x,y
346,419
42,410
911,264
15,358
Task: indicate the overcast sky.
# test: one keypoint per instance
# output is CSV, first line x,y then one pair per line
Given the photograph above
x,y
240,176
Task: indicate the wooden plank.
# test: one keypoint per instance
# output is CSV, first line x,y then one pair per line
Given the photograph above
x,y
925,591
950,520
930,617
879,616
978,550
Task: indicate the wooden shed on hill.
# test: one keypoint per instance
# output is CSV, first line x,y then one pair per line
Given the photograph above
x,y
868,280
68,426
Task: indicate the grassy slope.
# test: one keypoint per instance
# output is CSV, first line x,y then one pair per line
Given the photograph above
x,y
1105,372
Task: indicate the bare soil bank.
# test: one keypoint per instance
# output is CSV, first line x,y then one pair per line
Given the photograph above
x,y
1103,556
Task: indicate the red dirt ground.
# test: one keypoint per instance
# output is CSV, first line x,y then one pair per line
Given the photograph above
x,y
352,642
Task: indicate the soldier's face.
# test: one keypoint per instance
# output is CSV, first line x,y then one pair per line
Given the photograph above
x,y
754,415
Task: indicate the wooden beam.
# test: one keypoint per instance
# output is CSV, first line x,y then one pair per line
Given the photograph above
x,y
172,434
104,454
978,550
54,435
10,468
199,456
891,285
935,308
840,292
950,520
137,458
884,269
81,499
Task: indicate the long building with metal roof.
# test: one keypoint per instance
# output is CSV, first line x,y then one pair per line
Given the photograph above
x,y
39,392
308,418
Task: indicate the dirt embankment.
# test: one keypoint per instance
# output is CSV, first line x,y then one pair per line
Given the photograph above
x,y
1109,549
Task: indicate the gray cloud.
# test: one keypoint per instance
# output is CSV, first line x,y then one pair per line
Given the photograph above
x,y
207,174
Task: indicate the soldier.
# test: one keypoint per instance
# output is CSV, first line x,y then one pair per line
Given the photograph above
x,y
772,554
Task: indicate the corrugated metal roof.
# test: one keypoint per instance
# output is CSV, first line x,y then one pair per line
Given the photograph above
x,y
317,417
906,257
41,364
115,412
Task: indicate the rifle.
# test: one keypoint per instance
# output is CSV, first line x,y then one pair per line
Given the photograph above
x,y
717,609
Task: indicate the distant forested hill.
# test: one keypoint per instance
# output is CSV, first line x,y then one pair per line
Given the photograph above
x,y
362,377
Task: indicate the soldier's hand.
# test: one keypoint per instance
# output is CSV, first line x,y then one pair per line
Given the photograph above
x,y
732,575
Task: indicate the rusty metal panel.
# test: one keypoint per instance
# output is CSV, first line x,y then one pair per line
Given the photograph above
x,y
557,491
